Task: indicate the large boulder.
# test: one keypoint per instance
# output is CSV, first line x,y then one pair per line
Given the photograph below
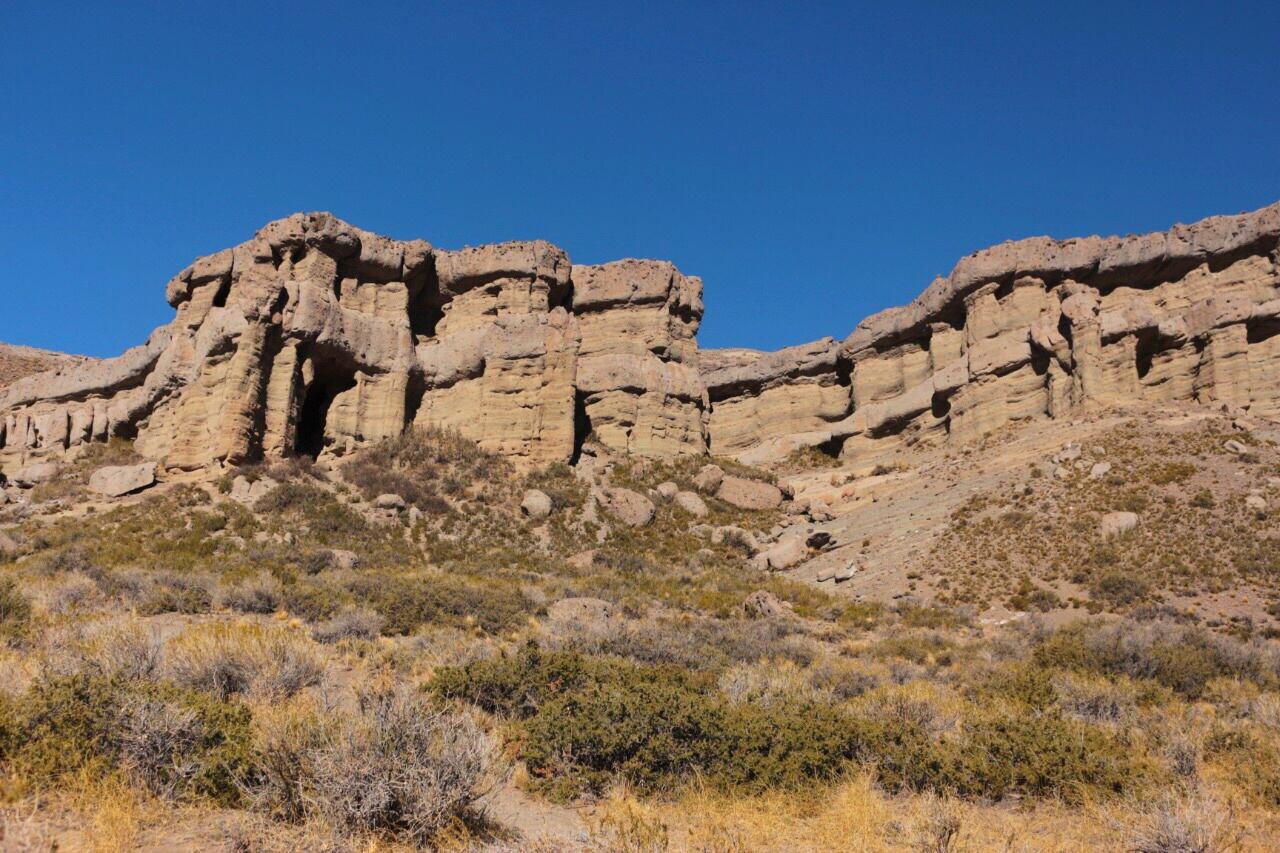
x,y
631,508
117,480
536,504
787,552
708,478
1117,523
749,494
691,503
33,474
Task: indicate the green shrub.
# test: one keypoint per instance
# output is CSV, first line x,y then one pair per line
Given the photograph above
x,y
409,601
93,724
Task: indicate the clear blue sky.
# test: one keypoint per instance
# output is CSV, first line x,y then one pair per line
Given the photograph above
x,y
812,162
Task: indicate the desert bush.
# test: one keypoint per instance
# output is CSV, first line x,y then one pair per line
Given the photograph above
x,y
420,463
768,683
173,741
400,764
360,624
409,601
129,651
1180,658
15,609
261,593
174,592
72,593
157,742
227,659
1194,822
1097,700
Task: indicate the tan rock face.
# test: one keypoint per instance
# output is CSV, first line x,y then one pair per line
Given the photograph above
x,y
315,337
1032,329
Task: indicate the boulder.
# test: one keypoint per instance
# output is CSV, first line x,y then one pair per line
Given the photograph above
x,y
820,540
580,611
1256,502
787,552
117,480
691,503
819,511
536,504
850,569
34,474
389,501
248,492
631,508
749,494
1233,446
729,533
708,478
667,490
763,605
1099,470
1117,523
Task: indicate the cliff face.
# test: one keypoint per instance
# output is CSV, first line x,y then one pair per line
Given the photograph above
x,y
1023,330
315,336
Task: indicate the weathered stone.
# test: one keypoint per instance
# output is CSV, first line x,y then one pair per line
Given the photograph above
x,y
631,508
691,503
1099,470
389,501
117,480
33,474
343,559
536,504
749,494
708,478
667,490
1117,523
787,552
1256,502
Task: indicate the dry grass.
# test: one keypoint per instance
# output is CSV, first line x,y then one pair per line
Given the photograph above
x,y
227,659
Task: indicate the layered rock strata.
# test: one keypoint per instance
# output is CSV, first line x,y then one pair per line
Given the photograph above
x,y
315,337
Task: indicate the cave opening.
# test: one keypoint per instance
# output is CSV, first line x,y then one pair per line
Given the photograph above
x,y
1257,332
581,426
940,405
330,381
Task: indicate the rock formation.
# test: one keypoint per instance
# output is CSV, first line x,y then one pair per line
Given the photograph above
x,y
315,337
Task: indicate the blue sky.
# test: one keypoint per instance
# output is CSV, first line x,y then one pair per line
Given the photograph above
x,y
813,162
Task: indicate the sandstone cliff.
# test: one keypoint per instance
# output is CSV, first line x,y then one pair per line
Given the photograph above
x,y
316,336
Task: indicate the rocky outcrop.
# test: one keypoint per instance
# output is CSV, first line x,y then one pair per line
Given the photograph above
x,y
315,337
1030,329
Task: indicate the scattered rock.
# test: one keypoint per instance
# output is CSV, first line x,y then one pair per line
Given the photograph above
x,y
248,492
667,490
819,511
536,504
1061,473
389,501
1117,523
749,494
788,551
580,611
33,474
1256,502
763,605
1235,447
1070,453
708,478
826,574
847,573
691,503
117,480
820,540
631,508
729,533
1099,470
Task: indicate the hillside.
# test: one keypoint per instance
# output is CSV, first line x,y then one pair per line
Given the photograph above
x,y
380,546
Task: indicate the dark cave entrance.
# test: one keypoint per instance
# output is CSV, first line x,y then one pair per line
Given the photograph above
x,y
581,426
329,382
